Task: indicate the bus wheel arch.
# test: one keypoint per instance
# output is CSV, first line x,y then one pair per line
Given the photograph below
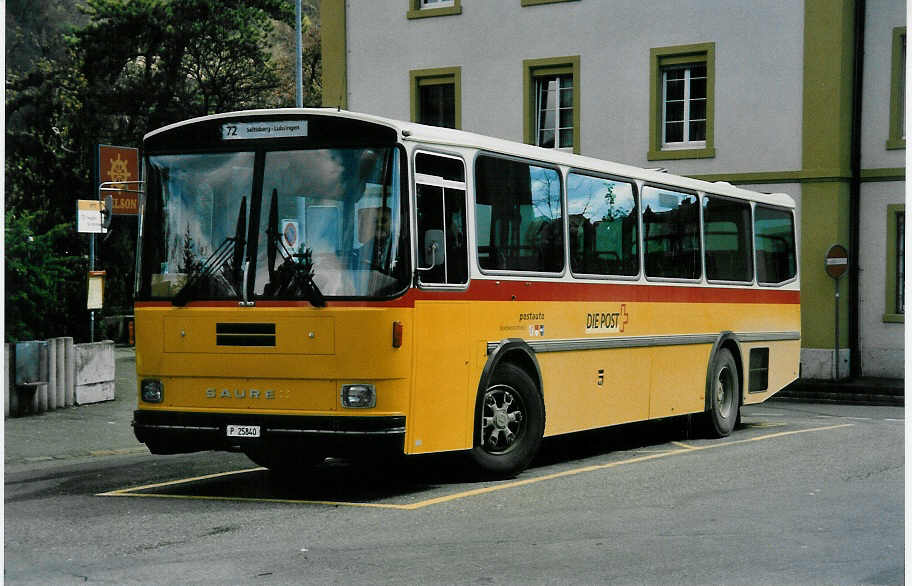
x,y
509,414
515,351
724,387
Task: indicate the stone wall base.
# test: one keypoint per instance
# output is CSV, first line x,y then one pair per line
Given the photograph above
x,y
817,363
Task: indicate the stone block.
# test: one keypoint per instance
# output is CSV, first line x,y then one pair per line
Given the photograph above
x,y
94,393
95,374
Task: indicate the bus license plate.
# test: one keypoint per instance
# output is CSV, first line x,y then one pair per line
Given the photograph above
x,y
243,431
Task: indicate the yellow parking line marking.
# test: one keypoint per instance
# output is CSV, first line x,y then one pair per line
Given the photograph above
x,y
598,467
130,491
120,451
683,445
778,434
764,424
199,497
683,449
134,492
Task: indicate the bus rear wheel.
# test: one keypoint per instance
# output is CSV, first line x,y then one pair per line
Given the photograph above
x,y
724,395
509,422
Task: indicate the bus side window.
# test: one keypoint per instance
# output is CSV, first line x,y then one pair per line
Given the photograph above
x,y
603,226
727,239
430,224
519,217
455,234
441,208
671,234
774,240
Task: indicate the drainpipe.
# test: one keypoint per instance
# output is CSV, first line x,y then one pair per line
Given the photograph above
x,y
855,190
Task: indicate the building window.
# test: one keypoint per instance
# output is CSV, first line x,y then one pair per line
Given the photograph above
x,y
681,102
684,107
551,103
426,8
554,111
899,267
436,96
895,306
897,138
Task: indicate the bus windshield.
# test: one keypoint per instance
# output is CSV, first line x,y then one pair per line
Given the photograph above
x,y
337,210
326,222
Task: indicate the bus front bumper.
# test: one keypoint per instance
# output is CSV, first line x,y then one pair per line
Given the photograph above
x,y
177,432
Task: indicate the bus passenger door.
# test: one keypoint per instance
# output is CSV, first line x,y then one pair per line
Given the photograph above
x,y
441,395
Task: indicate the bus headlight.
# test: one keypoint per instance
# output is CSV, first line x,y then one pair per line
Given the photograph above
x,y
360,396
152,390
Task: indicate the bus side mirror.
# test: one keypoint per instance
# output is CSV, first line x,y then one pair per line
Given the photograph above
x,y
433,249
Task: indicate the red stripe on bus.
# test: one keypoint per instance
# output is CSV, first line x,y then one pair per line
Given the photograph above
x,y
487,290
483,290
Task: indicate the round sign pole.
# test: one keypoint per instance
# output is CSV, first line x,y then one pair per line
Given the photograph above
x,y
836,264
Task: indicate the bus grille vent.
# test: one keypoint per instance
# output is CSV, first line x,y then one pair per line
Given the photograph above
x,y
245,334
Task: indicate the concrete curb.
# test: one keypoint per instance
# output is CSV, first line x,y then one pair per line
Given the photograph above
x,y
857,391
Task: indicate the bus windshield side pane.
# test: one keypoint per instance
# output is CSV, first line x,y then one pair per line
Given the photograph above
x,y
603,226
335,213
775,244
671,233
518,216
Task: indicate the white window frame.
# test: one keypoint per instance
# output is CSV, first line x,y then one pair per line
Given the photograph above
x,y
539,110
431,4
686,143
902,86
897,130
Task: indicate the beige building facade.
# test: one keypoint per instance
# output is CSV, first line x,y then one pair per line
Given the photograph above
x,y
804,98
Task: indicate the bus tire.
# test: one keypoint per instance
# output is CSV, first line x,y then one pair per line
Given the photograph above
x,y
724,391
283,464
509,422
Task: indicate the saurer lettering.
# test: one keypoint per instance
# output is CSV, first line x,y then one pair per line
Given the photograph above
x,y
212,393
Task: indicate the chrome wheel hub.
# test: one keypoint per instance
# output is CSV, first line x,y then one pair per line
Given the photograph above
x,y
724,393
501,419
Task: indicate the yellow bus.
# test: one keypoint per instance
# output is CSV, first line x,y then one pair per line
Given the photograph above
x,y
315,283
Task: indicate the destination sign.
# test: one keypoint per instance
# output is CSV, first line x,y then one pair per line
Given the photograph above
x,y
264,129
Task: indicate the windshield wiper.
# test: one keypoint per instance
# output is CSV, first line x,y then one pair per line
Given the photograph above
x,y
294,277
231,249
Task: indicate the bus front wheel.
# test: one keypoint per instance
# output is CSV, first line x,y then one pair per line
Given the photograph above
x,y
509,422
724,395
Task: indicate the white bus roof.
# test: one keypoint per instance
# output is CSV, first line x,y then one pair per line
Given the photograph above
x,y
434,135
